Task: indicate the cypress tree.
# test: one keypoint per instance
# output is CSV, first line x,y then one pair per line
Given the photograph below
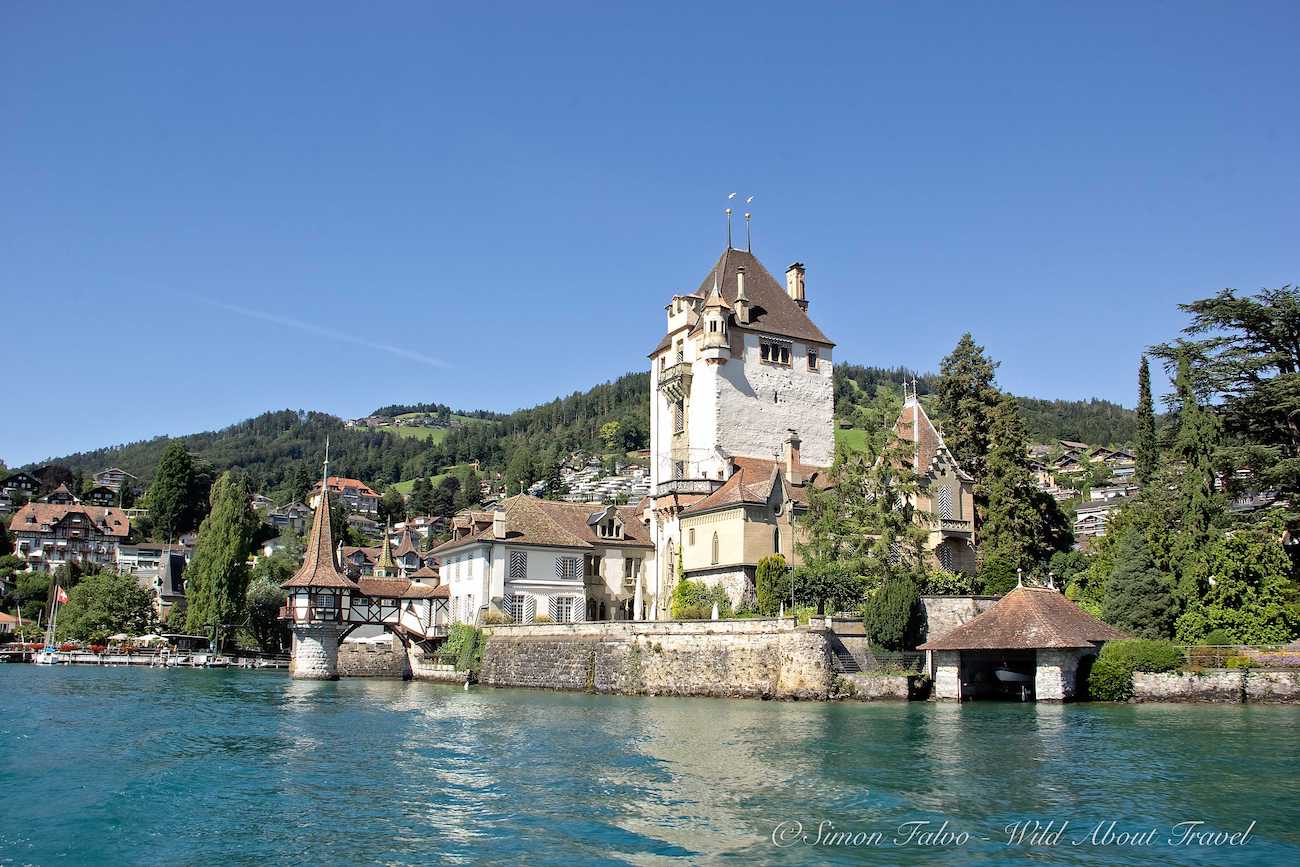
x,y
1194,447
1138,596
217,577
1147,450
171,506
1011,523
967,397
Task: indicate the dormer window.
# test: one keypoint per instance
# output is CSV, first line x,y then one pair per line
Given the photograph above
x,y
611,529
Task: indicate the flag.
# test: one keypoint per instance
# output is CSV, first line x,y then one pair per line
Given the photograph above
x,y
60,596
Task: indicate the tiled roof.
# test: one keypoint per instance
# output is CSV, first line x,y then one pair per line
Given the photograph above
x,y
338,483
772,311
552,523
318,568
915,427
1027,618
752,483
41,518
393,587
405,545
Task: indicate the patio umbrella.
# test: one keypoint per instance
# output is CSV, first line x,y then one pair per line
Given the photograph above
x,y
121,636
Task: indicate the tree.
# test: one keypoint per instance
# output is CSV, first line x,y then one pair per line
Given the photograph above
x,y
1250,593
520,473
967,399
1138,596
265,597
611,435
392,507
443,499
1198,507
1148,451
217,577
104,604
890,614
422,497
6,543
771,584
469,489
171,497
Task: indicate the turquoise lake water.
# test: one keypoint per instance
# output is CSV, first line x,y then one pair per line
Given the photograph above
x,y
131,766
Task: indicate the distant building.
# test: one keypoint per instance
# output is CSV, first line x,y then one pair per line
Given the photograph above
x,y
294,518
115,478
101,495
355,495
1090,517
49,535
60,496
159,568
24,484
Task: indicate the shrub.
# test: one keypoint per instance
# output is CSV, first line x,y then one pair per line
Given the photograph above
x,y
1144,654
1110,680
495,618
1240,662
465,644
771,584
890,613
943,583
692,600
1218,638
542,618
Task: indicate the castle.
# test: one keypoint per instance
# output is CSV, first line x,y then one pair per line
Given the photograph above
x,y
741,426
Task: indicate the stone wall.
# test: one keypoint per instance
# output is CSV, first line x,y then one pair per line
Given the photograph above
x,y
864,686
736,658
1223,685
315,652
1054,677
369,659
943,614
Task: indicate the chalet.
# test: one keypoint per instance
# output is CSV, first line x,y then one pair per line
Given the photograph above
x,y
1090,517
61,496
568,561
405,558
261,502
49,535
1032,644
353,493
24,484
294,518
101,495
115,478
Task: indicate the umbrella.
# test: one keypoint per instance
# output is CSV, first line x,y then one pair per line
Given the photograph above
x,y
121,636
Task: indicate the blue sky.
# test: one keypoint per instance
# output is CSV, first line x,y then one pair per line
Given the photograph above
x,y
211,210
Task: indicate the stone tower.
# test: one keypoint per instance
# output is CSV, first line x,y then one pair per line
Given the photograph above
x,y
320,597
741,372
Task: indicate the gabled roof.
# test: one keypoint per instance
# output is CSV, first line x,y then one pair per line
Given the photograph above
x,y
1027,618
41,518
552,523
338,483
752,483
318,568
405,545
772,311
914,426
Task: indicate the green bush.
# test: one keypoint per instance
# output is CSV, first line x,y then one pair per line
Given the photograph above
x,y
692,600
465,644
1144,654
890,614
1240,662
1218,638
771,584
1110,680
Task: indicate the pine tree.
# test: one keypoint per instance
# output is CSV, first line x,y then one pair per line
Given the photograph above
x,y
771,585
1148,455
171,505
1198,507
217,577
967,398
1012,527
1138,596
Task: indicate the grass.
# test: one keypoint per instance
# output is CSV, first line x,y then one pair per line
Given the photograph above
x,y
851,438
434,435
405,487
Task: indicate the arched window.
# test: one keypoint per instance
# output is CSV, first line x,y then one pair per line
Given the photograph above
x,y
715,549
776,540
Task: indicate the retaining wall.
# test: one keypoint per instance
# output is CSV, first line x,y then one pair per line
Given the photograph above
x,y
369,659
733,658
1224,685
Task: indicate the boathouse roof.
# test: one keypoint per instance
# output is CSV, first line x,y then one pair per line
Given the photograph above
x,y
1027,618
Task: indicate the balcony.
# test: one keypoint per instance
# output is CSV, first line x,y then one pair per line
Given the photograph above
x,y
687,486
955,528
675,381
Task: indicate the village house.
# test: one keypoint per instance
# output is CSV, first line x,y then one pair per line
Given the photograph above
x,y
21,484
159,568
404,557
354,494
741,397
101,495
293,518
1090,517
530,557
60,496
50,535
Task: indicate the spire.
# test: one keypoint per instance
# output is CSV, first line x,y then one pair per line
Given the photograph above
x,y
385,561
318,568
729,227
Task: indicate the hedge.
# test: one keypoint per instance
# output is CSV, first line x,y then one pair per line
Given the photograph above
x,y
1111,677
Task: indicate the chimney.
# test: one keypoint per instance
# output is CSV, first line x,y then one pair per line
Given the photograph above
x,y
794,285
498,523
791,455
742,300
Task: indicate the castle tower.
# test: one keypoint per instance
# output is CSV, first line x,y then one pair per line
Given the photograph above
x,y
741,372
386,566
320,597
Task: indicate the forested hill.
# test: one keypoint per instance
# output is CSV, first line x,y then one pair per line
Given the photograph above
x,y
281,451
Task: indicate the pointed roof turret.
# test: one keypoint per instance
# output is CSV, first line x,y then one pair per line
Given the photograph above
x,y
318,568
385,561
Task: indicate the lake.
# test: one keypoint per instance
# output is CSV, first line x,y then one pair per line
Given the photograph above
x,y
141,766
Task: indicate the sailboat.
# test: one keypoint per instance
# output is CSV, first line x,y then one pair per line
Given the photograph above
x,y
46,656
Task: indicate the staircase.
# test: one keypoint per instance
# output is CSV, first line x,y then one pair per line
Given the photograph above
x,y
843,662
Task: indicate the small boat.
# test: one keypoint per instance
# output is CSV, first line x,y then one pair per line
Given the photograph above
x,y
1008,676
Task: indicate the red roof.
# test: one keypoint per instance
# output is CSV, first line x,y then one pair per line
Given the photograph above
x,y
1027,618
339,483
41,518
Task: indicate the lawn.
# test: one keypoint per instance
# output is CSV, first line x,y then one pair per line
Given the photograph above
x,y
851,438
404,488
434,435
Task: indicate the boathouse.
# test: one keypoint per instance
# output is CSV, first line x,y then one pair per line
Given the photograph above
x,y
1034,644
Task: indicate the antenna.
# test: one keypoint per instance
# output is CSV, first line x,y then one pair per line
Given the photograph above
x,y
729,226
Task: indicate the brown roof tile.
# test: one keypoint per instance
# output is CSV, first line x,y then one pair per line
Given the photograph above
x,y
41,518
318,568
1027,618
